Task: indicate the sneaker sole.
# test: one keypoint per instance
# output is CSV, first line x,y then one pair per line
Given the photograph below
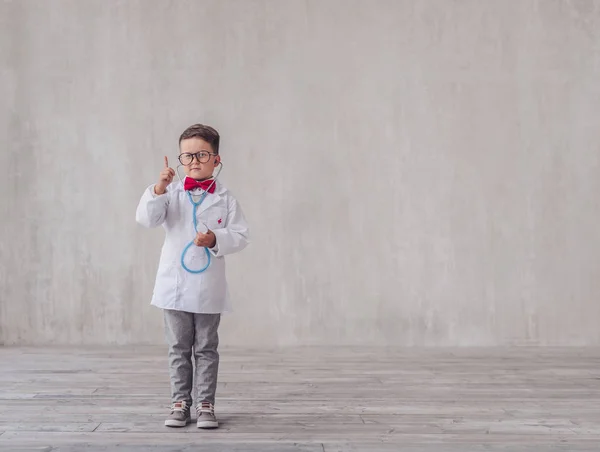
x,y
173,423
207,424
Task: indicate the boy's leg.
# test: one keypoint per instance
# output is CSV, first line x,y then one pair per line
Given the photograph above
x,y
207,367
179,334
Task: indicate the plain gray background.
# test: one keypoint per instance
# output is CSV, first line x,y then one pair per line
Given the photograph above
x,y
414,172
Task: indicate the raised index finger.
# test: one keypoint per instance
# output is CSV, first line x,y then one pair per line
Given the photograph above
x,y
166,162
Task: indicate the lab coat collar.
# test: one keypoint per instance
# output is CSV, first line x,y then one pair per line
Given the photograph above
x,y
211,198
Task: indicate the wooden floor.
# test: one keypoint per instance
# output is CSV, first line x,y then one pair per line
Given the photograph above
x,y
311,400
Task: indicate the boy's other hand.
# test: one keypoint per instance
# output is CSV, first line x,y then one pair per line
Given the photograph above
x,y
164,178
207,240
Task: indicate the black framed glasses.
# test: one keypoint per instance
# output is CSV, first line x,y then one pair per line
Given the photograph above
x,y
203,156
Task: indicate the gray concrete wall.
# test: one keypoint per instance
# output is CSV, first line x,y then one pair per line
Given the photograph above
x,y
454,147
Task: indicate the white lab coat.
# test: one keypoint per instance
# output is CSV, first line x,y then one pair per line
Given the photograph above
x,y
175,288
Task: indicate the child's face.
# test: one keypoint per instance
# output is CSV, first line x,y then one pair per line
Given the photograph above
x,y
201,165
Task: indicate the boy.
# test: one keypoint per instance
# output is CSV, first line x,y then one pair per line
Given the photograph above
x,y
190,286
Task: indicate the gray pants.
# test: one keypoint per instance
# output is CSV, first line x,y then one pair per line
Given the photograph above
x,y
185,331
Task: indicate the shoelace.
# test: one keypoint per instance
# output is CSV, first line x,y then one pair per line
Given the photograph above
x,y
205,408
179,406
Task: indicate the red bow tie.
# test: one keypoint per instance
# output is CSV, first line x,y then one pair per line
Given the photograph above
x,y
190,184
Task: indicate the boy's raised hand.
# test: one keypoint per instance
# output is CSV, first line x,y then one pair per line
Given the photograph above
x,y
164,178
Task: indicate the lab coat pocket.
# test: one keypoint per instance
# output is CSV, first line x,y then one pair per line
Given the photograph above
x,y
214,217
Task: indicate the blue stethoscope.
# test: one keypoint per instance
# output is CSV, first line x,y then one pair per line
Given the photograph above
x,y
195,205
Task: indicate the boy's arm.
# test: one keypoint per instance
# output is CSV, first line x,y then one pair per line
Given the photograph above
x,y
152,208
234,236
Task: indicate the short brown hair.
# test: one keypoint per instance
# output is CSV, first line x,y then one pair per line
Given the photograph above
x,y
207,133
